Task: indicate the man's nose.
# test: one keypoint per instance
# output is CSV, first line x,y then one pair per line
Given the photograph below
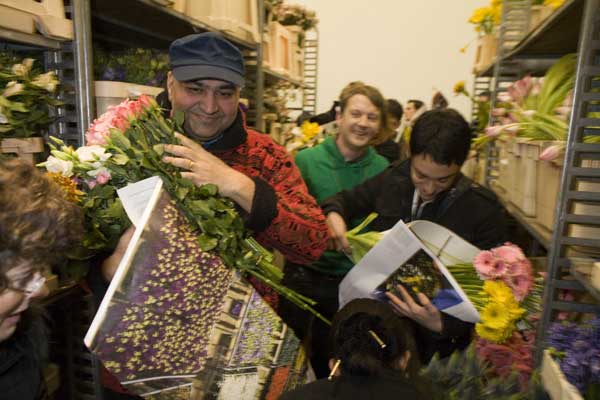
x,y
208,103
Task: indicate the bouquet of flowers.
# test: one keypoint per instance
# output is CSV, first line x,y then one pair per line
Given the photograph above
x,y
577,347
25,95
125,145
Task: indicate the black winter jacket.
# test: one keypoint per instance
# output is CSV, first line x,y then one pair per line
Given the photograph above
x,y
469,210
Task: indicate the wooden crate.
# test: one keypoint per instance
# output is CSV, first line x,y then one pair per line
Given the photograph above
x,y
547,188
24,148
47,15
486,52
538,14
238,17
280,48
109,93
523,159
554,381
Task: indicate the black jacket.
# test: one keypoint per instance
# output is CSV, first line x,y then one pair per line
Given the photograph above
x,y
21,359
471,211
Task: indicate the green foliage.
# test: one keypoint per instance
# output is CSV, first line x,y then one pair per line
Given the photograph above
x,y
141,66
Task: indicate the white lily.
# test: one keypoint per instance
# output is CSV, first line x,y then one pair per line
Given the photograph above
x,y
13,88
46,81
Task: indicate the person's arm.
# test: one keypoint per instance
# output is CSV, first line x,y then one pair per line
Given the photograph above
x,y
297,228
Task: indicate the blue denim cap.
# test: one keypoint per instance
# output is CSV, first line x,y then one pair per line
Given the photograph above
x,y
206,56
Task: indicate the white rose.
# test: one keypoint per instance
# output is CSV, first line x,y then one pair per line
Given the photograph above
x,y
53,164
96,155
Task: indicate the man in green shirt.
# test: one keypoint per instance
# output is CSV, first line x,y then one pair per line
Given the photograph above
x,y
339,163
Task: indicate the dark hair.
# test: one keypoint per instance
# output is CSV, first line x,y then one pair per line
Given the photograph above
x,y
418,103
359,351
37,223
395,109
444,135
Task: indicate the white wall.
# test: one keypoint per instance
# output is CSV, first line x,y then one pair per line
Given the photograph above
x,y
404,48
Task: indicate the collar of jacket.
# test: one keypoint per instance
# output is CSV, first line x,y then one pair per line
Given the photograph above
x,y
444,200
232,137
337,158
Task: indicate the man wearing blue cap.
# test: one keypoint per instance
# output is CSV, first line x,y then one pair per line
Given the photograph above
x,y
207,74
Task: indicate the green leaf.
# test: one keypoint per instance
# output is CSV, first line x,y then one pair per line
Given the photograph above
x,y
120,159
206,242
159,149
178,118
119,140
209,190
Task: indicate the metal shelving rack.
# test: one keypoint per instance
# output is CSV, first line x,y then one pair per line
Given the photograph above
x,y
574,27
580,166
514,26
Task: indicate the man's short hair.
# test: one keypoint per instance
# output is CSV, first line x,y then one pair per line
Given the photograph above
x,y
370,92
395,109
444,135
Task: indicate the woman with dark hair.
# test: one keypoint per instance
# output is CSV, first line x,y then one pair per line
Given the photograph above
x,y
374,357
37,226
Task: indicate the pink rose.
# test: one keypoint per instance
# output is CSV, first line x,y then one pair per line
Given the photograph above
x,y
103,177
91,183
147,102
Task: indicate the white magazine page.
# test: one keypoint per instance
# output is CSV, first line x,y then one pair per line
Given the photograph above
x,y
397,246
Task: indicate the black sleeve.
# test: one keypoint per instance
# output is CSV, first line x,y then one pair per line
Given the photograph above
x,y
358,201
264,207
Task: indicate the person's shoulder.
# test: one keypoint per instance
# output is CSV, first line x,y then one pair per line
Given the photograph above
x,y
264,142
481,192
319,389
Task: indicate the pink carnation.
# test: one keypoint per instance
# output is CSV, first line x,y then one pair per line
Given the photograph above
x,y
103,177
509,253
520,285
147,102
486,265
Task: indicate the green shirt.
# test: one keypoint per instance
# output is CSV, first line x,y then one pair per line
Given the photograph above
x,y
326,173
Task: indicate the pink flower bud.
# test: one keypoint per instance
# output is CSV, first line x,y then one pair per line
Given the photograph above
x,y
551,152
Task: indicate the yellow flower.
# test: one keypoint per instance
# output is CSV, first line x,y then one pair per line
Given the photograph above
x,y
491,334
499,292
554,3
309,130
496,316
479,15
459,87
67,185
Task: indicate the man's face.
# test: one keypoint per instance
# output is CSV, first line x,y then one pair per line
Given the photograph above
x,y
358,123
394,123
210,106
431,178
409,111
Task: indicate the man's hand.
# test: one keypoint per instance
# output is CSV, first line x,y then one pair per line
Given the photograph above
x,y
204,168
109,265
425,314
337,231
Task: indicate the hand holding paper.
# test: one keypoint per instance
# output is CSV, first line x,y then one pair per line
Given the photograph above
x,y
424,313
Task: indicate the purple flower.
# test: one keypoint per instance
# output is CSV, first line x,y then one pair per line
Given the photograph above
x,y
562,335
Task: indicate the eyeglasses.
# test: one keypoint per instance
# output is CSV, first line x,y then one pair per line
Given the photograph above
x,y
32,286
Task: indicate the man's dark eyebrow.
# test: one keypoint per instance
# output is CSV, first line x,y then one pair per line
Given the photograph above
x,y
439,179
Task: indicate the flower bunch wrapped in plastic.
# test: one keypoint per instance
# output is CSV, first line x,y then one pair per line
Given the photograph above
x,y
125,145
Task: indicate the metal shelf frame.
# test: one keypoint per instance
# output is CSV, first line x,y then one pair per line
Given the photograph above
x,y
561,267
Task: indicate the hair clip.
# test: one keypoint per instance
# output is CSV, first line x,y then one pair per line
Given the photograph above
x,y
377,339
334,369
